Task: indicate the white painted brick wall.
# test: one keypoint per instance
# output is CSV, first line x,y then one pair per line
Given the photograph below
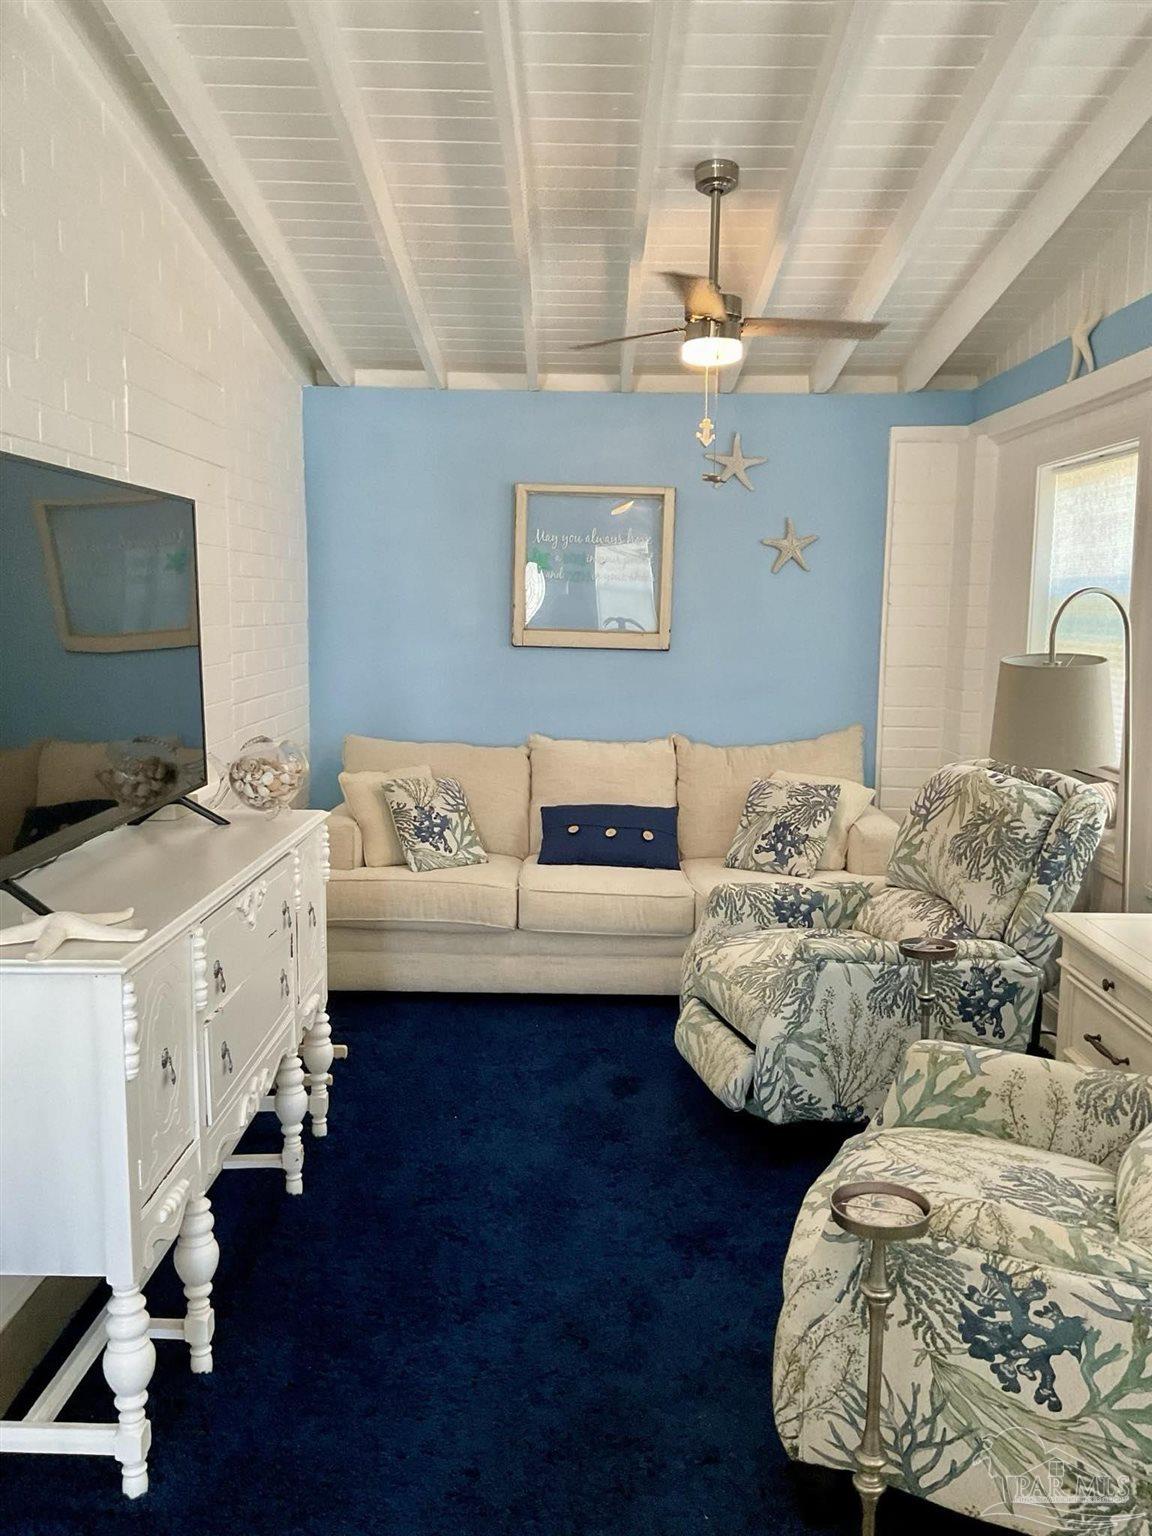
x,y
127,351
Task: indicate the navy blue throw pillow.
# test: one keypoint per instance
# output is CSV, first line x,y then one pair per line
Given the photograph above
x,y
625,836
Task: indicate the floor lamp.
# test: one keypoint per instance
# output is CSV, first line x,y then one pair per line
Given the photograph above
x,y
1055,711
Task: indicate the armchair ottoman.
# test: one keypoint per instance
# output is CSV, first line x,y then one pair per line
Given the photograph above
x,y
796,1003
1018,1359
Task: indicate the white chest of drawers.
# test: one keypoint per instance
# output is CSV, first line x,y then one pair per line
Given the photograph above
x,y
1105,1017
128,1073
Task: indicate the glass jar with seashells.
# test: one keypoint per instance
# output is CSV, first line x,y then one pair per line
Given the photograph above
x,y
267,775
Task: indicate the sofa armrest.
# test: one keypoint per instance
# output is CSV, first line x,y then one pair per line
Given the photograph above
x,y
1055,1106
345,843
870,840
781,904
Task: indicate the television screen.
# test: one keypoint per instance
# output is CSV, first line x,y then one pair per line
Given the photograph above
x,y
101,701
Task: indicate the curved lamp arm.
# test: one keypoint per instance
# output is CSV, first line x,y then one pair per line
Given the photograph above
x,y
1123,818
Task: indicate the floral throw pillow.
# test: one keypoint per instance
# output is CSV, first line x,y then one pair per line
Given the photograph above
x,y
433,824
784,826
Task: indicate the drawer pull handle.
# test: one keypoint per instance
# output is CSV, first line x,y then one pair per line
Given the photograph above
x,y
285,915
311,915
168,1066
1108,984
226,1056
218,976
1097,1044
285,989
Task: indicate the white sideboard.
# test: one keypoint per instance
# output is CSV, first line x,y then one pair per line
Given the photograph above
x,y
129,1072
1105,1014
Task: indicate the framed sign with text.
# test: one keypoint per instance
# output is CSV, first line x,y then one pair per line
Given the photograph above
x,y
592,566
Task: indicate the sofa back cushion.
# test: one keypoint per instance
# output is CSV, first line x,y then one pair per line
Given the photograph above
x,y
494,780
601,773
712,783
973,836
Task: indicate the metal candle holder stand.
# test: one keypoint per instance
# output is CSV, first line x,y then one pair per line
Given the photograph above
x,y
927,953
878,1227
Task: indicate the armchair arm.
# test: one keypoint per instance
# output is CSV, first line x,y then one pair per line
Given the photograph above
x,y
784,904
870,840
345,843
1055,1106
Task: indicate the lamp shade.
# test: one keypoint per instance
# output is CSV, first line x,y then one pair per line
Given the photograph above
x,y
1054,713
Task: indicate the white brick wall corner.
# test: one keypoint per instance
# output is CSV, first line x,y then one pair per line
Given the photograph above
x,y
128,351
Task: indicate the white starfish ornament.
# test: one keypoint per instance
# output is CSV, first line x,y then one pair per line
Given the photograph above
x,y
790,547
46,934
1082,344
736,463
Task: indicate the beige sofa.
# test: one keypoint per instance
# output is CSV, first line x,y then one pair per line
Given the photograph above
x,y
514,925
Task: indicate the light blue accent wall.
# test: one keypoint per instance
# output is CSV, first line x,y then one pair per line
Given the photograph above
x,y
410,565
1118,335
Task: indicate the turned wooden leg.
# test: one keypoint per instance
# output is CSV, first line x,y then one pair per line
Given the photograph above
x,y
197,1254
291,1107
317,1053
129,1360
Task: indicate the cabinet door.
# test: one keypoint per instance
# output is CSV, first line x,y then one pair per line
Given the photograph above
x,y
311,915
164,1089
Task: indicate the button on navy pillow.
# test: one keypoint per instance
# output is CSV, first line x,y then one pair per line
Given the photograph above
x,y
626,836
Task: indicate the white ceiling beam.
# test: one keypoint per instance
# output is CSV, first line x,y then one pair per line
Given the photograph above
x,y
157,44
832,94
666,43
1100,144
501,42
981,105
88,56
319,29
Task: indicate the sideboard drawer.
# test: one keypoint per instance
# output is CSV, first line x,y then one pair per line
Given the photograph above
x,y
241,935
1095,1034
236,1031
1093,973
311,916
163,1089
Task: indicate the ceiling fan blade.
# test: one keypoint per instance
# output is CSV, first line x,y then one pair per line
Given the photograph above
x,y
698,295
614,341
831,330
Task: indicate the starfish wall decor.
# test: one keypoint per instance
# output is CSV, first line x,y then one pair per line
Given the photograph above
x,y
790,547
1081,339
736,464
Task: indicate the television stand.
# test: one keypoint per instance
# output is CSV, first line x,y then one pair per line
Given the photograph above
x,y
189,805
33,903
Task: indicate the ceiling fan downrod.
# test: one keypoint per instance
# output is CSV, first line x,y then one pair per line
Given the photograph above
x,y
715,179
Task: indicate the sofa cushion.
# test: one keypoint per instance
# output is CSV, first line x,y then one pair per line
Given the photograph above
x,y
434,824
783,826
364,796
495,780
712,782
853,802
705,874
590,898
606,772
473,896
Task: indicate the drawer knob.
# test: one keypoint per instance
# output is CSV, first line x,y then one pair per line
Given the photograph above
x,y
1108,984
226,1056
1097,1044
219,977
168,1066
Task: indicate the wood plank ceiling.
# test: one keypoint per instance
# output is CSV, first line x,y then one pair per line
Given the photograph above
x,y
450,192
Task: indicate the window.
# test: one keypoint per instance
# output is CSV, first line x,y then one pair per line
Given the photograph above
x,y
1085,527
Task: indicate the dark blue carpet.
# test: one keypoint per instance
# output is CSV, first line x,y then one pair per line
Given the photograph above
x,y
530,1290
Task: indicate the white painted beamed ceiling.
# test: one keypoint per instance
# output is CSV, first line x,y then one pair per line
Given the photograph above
x,y
455,192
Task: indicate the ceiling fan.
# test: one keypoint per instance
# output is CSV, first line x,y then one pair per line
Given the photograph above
x,y
715,327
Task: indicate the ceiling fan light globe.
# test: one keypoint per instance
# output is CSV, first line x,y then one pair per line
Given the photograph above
x,y
709,344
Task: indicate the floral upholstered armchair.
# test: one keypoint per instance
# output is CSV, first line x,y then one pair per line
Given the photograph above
x,y
1018,1356
796,1002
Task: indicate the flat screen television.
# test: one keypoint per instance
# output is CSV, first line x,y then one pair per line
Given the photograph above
x,y
101,692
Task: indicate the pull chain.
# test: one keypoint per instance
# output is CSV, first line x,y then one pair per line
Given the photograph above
x,y
706,431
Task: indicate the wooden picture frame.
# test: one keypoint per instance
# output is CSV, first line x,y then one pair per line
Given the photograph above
x,y
70,589
630,566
